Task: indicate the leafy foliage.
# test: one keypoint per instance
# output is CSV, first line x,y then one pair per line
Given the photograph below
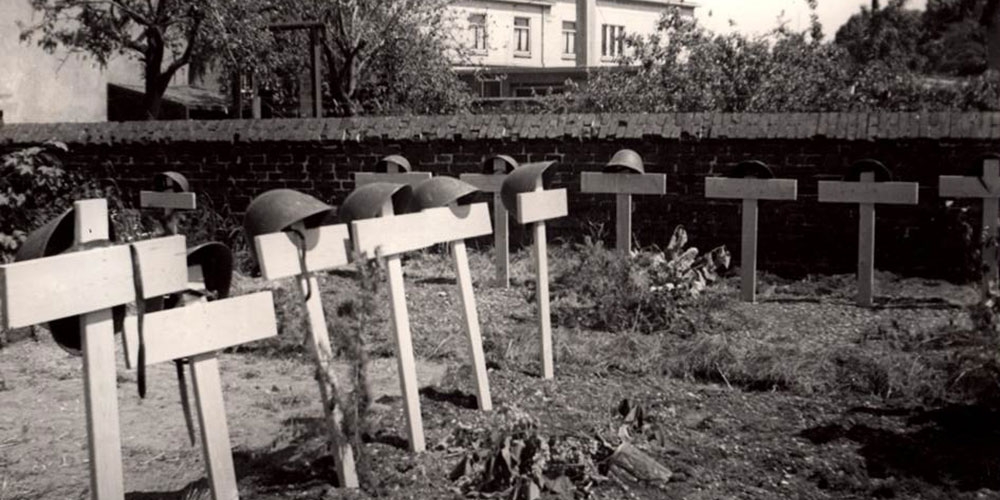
x,y
646,293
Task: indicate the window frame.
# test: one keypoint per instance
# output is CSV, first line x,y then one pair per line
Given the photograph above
x,y
569,39
616,45
479,33
518,30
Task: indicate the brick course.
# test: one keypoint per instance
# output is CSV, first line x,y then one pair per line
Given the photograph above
x,y
232,161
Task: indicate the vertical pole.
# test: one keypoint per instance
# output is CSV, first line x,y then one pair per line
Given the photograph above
x,y
623,223
542,290
99,375
748,253
314,72
404,347
471,317
214,428
238,94
866,249
323,355
501,240
255,97
990,214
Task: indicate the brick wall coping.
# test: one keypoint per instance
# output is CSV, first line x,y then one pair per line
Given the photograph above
x,y
839,126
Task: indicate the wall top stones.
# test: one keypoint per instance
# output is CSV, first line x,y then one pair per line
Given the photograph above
x,y
839,126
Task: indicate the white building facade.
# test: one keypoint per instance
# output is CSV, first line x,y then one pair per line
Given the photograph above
x,y
544,40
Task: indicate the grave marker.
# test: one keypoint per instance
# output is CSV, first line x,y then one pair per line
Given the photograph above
x,y
39,290
389,236
285,247
624,176
987,188
394,169
197,331
500,166
525,195
749,190
866,192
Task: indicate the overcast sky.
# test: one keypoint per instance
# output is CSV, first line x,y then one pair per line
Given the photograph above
x,y
758,16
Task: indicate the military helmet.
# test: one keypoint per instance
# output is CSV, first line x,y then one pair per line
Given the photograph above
x,y
490,166
440,192
626,160
524,179
391,162
278,209
366,202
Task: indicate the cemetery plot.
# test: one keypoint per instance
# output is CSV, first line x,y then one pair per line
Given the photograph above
x,y
623,186
987,188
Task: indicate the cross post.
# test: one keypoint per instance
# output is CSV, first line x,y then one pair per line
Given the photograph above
x,y
66,285
623,185
987,188
389,236
326,247
491,183
749,190
866,194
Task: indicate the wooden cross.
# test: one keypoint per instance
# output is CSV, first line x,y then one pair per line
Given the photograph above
x,y
750,190
536,207
395,174
169,201
90,283
491,183
623,185
197,332
326,247
867,193
391,236
987,188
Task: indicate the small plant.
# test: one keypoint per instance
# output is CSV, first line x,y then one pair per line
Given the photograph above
x,y
604,290
33,187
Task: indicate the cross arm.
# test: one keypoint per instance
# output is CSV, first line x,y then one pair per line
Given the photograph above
x,y
487,183
541,205
751,189
623,183
158,199
895,193
955,186
201,328
405,233
327,247
409,178
40,290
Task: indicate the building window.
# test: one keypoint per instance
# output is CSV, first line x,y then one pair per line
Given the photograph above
x,y
522,36
612,40
569,37
477,28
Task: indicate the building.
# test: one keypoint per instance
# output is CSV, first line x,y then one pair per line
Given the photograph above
x,y
523,48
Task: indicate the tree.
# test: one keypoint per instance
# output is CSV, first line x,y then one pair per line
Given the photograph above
x,y
378,53
165,35
889,34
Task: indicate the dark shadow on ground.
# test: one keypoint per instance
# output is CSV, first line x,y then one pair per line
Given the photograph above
x,y
302,461
455,397
914,303
195,490
436,280
956,445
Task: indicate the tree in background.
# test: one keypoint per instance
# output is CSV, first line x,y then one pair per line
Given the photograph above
x,y
383,56
889,34
165,35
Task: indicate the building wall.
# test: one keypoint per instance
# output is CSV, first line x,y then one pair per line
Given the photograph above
x,y
546,29
230,162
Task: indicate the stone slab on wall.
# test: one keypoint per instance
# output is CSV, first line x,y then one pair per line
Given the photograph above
x,y
233,161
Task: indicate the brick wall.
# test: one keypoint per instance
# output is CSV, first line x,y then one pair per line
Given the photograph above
x,y
232,161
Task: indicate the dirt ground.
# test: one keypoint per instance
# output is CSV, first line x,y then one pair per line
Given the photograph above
x,y
720,440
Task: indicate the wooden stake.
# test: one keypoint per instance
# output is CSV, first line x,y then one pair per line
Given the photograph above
x,y
748,257
542,286
99,375
214,427
623,224
492,183
471,317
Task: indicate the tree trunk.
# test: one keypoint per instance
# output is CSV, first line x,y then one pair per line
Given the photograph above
x,y
342,79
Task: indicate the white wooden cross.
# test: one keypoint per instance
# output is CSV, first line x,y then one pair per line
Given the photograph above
x,y
90,283
326,247
395,174
623,185
197,332
867,193
750,190
491,183
169,201
390,236
535,207
987,188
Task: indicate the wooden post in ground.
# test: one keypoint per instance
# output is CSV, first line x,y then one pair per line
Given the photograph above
x,y
491,183
987,188
325,248
623,185
866,193
198,331
749,190
391,236
88,284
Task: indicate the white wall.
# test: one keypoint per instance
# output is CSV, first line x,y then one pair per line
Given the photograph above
x,y
546,28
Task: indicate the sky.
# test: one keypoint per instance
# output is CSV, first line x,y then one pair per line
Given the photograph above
x,y
759,16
